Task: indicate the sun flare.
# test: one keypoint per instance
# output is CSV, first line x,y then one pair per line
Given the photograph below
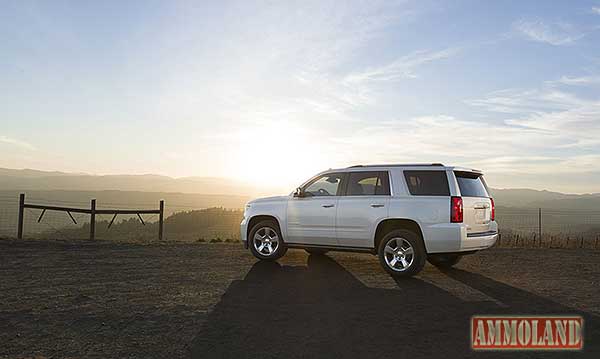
x,y
280,156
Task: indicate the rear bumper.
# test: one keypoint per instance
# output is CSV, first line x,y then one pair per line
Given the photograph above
x,y
479,241
453,237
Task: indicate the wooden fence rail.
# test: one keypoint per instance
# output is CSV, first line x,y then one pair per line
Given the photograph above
x,y
92,211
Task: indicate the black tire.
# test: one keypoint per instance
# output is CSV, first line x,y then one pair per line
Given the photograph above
x,y
444,260
416,262
316,251
269,226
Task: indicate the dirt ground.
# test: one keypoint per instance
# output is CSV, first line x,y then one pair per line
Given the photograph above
x,y
106,300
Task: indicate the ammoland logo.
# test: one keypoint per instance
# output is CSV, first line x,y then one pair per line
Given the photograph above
x,y
524,332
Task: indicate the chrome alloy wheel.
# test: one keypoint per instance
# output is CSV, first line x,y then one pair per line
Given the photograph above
x,y
266,241
399,254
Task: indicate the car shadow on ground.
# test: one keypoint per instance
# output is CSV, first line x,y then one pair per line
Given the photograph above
x,y
322,310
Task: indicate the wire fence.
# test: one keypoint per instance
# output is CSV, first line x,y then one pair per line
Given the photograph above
x,y
519,227
548,228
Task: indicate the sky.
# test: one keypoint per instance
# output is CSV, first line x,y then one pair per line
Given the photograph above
x,y
271,92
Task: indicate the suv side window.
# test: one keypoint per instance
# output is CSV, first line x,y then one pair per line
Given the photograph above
x,y
368,184
427,183
326,185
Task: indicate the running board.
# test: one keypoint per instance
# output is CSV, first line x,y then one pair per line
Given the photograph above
x,y
331,248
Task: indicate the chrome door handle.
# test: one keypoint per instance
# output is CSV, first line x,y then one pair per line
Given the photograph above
x,y
327,205
376,205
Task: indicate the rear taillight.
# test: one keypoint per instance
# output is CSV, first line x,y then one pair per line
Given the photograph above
x,y
456,210
493,215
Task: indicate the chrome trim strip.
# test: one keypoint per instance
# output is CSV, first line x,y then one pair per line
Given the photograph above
x,y
482,234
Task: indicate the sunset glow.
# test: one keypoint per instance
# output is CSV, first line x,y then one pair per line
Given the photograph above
x,y
272,94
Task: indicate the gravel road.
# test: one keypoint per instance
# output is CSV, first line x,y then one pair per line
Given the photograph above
x,y
84,299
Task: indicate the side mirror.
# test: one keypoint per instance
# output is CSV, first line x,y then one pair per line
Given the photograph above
x,y
299,192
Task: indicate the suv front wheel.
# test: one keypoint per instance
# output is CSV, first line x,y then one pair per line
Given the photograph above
x,y
401,253
266,242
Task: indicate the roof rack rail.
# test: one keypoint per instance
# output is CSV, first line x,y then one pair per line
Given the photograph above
x,y
401,165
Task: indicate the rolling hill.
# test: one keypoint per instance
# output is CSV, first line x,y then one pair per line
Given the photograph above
x,y
28,179
202,192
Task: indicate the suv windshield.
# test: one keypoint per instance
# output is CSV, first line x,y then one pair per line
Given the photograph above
x,y
471,184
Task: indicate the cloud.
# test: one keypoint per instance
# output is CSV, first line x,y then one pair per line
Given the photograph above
x,y
577,173
578,127
440,138
511,154
559,125
596,10
296,66
580,81
402,67
17,143
520,101
537,108
556,34
317,97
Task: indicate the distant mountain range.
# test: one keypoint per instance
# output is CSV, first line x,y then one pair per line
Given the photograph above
x,y
522,197
28,179
233,192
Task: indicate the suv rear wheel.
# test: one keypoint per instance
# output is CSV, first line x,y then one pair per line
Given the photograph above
x,y
266,242
444,260
401,253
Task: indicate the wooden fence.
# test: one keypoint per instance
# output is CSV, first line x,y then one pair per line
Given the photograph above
x,y
92,211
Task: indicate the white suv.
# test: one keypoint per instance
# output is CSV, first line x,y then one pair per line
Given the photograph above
x,y
405,214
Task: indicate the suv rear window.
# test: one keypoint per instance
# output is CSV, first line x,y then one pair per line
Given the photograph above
x,y
427,183
471,184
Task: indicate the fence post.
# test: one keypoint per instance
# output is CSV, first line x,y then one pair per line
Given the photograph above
x,y
540,225
93,220
161,210
21,210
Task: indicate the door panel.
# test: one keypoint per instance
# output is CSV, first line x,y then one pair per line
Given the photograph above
x,y
357,218
311,220
364,203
